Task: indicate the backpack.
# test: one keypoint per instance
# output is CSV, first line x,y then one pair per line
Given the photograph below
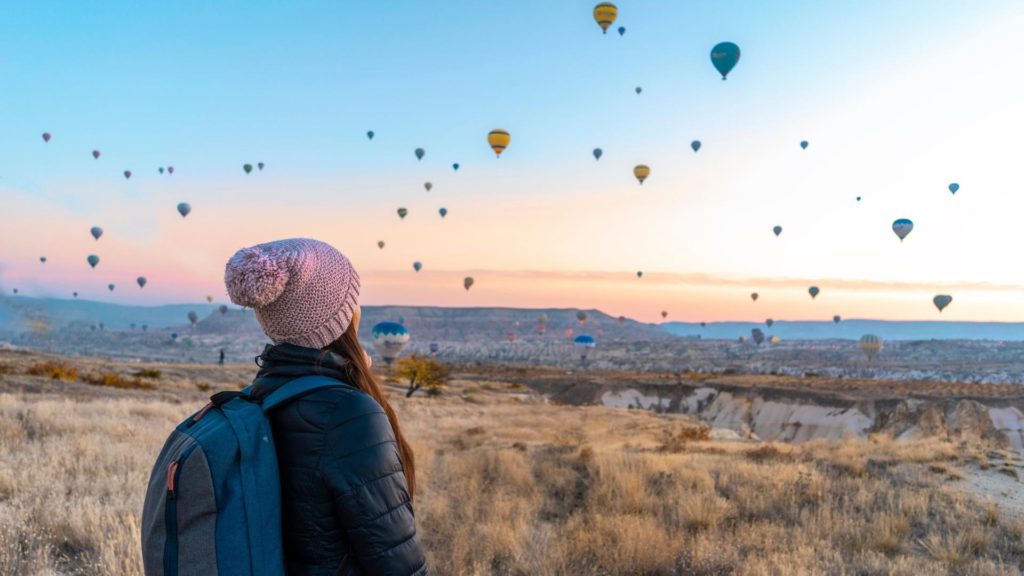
x,y
213,506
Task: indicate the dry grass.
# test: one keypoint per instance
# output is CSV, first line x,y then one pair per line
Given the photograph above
x,y
54,370
510,485
112,380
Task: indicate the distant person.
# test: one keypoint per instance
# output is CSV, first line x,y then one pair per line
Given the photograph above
x,y
347,472
221,359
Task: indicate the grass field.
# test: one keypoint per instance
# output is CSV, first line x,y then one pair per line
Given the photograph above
x,y
510,484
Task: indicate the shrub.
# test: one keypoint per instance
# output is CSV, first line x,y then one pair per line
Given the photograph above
x,y
55,370
767,452
202,386
677,441
422,371
151,373
112,380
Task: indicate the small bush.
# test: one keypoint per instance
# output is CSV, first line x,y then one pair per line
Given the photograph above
x,y
111,380
677,441
5,369
55,370
768,452
475,430
150,373
202,386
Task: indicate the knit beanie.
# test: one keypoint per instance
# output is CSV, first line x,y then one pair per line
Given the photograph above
x,y
304,292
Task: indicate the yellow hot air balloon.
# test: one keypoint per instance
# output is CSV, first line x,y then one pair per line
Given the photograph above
x,y
870,345
604,15
641,171
209,297
499,139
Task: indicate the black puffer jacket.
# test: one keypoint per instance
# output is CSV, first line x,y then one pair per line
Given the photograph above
x,y
345,499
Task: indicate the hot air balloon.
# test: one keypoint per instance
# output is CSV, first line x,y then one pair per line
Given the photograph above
x,y
455,166
638,90
597,153
389,338
639,274
420,152
499,139
259,166
757,335
769,322
542,324
858,198
15,291
584,344
434,348
604,15
803,144
110,287
402,212
641,172
695,145
247,168
96,232
954,187
74,294
622,320
443,212
223,308
428,186
703,324
93,260
664,314
380,244
622,30
942,300
581,317
96,154
46,136
369,134
837,319
184,208
813,291
417,266
774,340
870,345
42,259
467,282
127,174
902,227
777,230
141,281
753,296
160,169
170,169
209,297
174,335
193,317
724,57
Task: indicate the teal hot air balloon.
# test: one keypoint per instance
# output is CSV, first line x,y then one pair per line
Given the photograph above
x,y
369,135
160,169
769,322
954,187
193,318
247,168
42,259
724,57
584,344
639,273
402,212
622,30
598,153
417,266
902,228
757,335
813,291
420,153
93,260
804,144
260,165
223,309
389,338
638,90
695,145
96,232
110,287
141,281
455,166
942,300
443,212
777,230
184,209
837,318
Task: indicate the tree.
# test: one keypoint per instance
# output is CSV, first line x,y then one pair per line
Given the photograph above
x,y
421,371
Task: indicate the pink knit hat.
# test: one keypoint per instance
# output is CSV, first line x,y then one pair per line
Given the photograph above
x,y
304,291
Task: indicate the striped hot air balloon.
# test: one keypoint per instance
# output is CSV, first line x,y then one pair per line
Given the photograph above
x,y
605,14
499,139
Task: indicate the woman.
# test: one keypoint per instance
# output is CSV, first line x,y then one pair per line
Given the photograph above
x,y
347,473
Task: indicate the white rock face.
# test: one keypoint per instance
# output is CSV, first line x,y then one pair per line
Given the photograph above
x,y
1009,421
633,398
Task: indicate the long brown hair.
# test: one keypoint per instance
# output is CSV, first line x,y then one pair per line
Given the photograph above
x,y
358,374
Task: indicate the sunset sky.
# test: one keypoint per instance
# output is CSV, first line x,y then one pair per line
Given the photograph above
x,y
897,100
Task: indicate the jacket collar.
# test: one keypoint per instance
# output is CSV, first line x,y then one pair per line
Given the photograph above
x,y
283,362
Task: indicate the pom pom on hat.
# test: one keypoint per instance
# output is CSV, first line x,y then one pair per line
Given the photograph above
x,y
254,277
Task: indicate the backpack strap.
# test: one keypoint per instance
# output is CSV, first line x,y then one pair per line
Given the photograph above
x,y
298,387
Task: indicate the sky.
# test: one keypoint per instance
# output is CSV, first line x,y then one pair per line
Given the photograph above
x,y
896,100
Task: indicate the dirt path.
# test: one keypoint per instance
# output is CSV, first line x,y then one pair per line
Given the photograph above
x,y
1000,485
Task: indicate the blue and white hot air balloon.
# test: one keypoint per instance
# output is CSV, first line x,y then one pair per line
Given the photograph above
x,y
389,338
902,227
584,344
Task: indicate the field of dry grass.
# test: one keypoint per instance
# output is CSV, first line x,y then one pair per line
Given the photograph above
x,y
512,485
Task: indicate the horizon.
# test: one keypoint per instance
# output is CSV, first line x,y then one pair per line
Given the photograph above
x,y
887,97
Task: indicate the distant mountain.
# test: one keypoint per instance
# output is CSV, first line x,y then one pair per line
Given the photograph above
x,y
854,329
18,312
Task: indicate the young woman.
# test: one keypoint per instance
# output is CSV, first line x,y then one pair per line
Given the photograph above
x,y
347,473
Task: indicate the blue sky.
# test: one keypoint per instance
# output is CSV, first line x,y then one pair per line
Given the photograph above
x,y
208,86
